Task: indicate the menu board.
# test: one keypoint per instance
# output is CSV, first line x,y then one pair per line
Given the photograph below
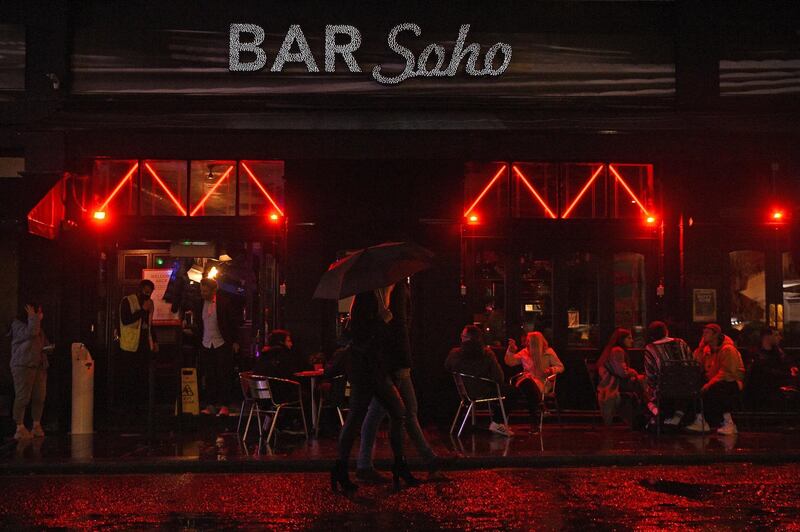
x,y
162,314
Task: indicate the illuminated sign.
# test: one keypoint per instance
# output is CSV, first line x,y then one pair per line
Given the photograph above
x,y
431,62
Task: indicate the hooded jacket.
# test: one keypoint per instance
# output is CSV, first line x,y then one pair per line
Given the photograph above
x,y
723,363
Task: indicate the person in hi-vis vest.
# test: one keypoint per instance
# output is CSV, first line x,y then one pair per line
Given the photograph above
x,y
137,343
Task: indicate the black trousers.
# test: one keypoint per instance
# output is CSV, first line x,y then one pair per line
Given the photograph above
x,y
216,375
533,397
366,382
718,400
133,377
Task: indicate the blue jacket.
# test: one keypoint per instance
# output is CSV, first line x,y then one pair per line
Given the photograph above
x,y
27,344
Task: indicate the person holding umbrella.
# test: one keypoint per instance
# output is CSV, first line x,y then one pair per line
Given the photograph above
x,y
370,275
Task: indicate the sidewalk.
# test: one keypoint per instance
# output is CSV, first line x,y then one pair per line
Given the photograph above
x,y
207,449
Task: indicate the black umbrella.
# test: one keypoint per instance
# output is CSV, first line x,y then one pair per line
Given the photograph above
x,y
372,268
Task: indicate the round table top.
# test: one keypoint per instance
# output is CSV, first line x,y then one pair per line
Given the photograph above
x,y
310,373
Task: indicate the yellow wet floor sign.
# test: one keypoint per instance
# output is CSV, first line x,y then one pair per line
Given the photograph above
x,y
190,399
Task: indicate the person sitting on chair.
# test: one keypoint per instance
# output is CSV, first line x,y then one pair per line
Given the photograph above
x,y
275,359
539,362
616,376
662,348
473,358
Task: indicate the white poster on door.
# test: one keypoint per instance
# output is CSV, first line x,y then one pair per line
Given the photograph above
x,y
162,315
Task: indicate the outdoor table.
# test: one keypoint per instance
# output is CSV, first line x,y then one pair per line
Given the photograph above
x,y
312,375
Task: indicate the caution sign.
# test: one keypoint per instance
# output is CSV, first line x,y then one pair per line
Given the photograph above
x,y
190,399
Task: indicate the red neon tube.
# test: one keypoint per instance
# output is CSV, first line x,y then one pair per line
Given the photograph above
x,y
261,188
628,189
213,189
163,186
119,187
582,192
533,191
485,190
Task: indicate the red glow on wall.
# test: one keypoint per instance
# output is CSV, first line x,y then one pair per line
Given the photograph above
x,y
533,192
211,191
46,217
119,186
166,189
628,190
582,192
261,188
485,190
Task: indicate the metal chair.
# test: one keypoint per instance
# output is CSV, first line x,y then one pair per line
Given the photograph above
x,y
594,378
262,394
247,398
679,379
338,397
549,396
471,403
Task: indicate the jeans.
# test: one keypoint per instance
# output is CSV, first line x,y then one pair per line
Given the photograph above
x,y
376,413
30,387
366,383
718,400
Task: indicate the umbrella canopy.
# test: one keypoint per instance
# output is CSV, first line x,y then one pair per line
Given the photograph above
x,y
372,268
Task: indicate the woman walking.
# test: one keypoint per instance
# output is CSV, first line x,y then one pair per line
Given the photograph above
x,y
616,376
369,331
539,362
29,369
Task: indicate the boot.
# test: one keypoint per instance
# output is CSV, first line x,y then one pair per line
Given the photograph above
x,y
340,477
400,470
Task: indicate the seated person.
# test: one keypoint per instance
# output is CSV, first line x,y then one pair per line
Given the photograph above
x,y
724,372
663,348
771,374
616,376
276,358
539,361
473,358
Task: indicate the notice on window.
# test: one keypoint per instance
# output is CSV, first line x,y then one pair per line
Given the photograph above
x,y
162,314
704,305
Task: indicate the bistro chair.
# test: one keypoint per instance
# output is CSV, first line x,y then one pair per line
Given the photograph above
x,y
594,377
472,403
247,399
679,379
338,398
549,398
267,403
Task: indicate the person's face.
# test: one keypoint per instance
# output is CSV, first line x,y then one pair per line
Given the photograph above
x,y
710,336
628,342
147,292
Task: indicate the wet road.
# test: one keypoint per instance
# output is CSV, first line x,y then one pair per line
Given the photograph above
x,y
730,496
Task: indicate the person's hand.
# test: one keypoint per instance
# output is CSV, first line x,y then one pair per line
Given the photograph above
x,y
30,310
235,347
148,306
512,345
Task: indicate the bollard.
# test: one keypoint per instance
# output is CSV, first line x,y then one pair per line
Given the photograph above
x,y
82,390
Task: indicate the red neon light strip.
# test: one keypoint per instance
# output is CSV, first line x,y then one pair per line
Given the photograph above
x,y
261,188
628,189
582,192
533,191
213,189
485,190
161,183
119,187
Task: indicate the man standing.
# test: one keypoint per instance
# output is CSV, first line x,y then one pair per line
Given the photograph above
x,y
136,342
724,371
217,327
661,349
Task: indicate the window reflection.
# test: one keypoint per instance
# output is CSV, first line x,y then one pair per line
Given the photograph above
x,y
748,289
260,187
629,294
213,185
488,295
163,188
791,300
486,189
583,299
536,294
115,186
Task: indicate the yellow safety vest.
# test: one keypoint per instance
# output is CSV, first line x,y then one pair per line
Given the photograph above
x,y
129,334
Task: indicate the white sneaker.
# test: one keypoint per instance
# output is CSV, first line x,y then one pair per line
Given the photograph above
x,y
698,425
675,420
22,433
728,427
502,430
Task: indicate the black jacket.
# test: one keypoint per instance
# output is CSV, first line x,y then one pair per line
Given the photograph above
x,y
398,342
228,320
276,361
474,359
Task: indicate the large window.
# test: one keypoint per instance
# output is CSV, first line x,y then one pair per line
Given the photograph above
x,y
748,289
213,188
115,187
163,188
629,294
536,294
583,299
260,187
485,190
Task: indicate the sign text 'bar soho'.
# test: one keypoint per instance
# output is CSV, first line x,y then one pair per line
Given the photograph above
x,y
430,63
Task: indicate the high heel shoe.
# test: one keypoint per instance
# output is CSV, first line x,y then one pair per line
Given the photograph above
x,y
340,477
400,470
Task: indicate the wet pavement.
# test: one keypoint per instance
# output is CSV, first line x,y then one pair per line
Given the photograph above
x,y
215,448
715,497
